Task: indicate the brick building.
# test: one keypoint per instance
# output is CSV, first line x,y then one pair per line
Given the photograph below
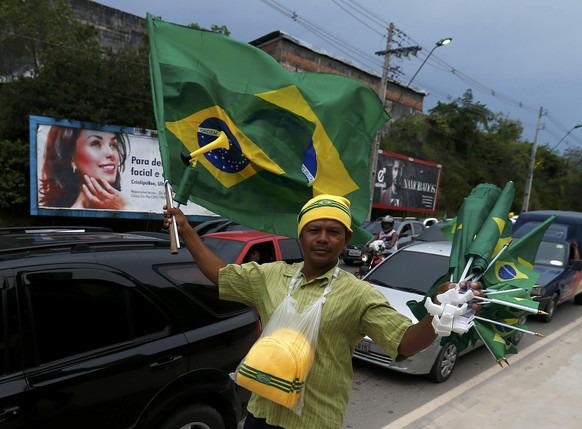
x,y
117,28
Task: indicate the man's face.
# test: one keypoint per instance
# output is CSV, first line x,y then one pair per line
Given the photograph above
x,y
323,240
397,171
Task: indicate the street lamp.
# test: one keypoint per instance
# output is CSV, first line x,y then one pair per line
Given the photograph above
x,y
376,146
566,135
440,43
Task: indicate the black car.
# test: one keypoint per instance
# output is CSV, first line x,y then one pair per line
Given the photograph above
x,y
108,330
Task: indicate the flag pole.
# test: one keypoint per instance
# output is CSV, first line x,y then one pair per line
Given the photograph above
x,y
510,304
526,331
503,249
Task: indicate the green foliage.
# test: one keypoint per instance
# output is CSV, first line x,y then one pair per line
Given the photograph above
x,y
476,146
14,186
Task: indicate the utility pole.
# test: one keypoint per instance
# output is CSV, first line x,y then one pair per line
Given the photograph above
x,y
382,95
532,165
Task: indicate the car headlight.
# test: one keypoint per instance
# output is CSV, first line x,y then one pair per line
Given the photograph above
x,y
364,258
537,290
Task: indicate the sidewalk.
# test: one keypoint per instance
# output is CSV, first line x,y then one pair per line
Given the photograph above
x,y
541,389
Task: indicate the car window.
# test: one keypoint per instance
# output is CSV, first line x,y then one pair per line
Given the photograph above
x,y
10,344
291,250
228,250
399,271
74,312
406,230
554,254
417,228
191,281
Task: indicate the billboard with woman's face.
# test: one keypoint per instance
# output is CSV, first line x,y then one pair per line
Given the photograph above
x,y
82,169
406,183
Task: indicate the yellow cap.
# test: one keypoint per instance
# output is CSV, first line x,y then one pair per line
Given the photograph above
x,y
325,206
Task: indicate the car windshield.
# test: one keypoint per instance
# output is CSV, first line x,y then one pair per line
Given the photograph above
x,y
228,250
410,271
551,253
375,226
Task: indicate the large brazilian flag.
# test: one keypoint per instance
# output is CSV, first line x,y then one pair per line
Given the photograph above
x,y
291,135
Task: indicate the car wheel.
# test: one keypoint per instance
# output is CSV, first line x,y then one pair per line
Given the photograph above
x,y
196,416
550,309
518,335
444,364
578,299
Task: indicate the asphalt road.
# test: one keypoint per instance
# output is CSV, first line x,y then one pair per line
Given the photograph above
x,y
381,398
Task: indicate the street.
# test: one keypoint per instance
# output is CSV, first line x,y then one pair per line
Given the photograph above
x,y
382,398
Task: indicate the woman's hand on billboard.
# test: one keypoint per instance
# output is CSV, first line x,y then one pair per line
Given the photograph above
x,y
101,195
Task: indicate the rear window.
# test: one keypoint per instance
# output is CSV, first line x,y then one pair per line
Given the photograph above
x,y
189,279
412,271
228,250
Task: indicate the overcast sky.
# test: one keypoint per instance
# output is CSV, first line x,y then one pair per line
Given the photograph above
x,y
516,56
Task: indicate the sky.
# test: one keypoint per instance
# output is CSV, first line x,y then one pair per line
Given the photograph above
x,y
516,56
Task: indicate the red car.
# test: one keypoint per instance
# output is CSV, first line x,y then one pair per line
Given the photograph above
x,y
237,246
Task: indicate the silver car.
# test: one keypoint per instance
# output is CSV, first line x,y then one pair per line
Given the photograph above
x,y
408,275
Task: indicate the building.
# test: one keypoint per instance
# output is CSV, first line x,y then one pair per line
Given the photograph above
x,y
117,29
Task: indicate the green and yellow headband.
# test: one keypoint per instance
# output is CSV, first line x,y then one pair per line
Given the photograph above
x,y
325,206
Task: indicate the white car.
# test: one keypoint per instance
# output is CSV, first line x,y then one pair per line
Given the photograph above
x,y
408,275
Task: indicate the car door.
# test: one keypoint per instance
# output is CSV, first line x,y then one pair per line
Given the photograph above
x,y
98,349
14,408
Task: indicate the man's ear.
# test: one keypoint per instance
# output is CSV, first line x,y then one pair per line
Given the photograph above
x,y
348,236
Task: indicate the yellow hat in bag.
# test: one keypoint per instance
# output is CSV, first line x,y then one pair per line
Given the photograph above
x,y
276,366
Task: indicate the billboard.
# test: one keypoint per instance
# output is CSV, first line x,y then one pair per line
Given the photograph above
x,y
82,169
406,183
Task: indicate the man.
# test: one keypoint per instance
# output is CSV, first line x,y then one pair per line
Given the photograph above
x,y
394,195
352,309
387,234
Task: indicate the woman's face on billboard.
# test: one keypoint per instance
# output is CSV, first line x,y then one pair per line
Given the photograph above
x,y
97,155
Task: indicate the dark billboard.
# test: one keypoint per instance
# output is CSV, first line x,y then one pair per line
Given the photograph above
x,y
406,183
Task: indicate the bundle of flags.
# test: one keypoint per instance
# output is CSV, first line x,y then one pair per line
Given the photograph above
x,y
483,250
290,135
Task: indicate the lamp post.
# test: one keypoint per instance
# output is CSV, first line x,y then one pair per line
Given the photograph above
x,y
382,94
438,44
567,134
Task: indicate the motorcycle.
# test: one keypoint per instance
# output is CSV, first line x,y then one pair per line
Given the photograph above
x,y
372,256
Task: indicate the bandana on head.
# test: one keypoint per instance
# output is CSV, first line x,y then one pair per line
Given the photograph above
x,y
325,206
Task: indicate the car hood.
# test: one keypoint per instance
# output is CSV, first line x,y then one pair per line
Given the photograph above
x,y
547,274
398,300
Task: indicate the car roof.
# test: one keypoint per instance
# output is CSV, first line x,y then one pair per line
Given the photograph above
x,y
73,240
244,236
430,247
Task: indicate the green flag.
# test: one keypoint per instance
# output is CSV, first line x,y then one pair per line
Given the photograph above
x,y
496,339
515,265
290,135
472,214
494,233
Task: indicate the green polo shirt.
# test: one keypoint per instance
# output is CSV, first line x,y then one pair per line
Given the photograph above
x,y
352,310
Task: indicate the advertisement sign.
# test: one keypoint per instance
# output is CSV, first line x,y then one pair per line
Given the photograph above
x,y
86,170
406,183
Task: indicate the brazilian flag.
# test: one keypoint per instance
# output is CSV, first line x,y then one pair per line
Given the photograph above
x,y
291,135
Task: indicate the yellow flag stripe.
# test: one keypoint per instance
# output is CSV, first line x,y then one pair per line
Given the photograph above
x,y
334,180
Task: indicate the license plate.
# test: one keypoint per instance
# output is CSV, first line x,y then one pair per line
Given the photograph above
x,y
354,252
363,346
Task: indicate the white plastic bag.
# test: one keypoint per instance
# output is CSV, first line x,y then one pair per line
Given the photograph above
x,y
277,365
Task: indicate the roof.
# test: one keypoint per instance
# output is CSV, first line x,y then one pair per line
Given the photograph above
x,y
282,35
242,235
73,240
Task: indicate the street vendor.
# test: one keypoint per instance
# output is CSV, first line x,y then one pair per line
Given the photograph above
x,y
352,310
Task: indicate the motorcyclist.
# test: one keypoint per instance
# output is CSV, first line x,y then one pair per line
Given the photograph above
x,y
387,234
